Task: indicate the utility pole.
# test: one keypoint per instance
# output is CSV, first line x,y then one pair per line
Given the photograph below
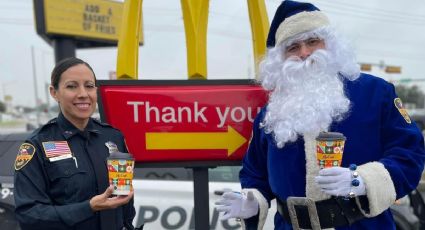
x,y
46,90
34,74
3,91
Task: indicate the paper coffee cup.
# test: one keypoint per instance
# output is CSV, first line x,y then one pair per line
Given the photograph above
x,y
329,149
120,171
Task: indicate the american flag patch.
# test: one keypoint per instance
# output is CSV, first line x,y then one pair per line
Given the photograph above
x,y
56,148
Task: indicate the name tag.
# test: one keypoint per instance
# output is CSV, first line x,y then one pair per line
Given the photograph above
x,y
58,158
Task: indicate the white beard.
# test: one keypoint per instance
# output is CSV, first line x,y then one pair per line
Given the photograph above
x,y
307,97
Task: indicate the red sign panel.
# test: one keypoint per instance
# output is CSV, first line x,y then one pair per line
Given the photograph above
x,y
166,122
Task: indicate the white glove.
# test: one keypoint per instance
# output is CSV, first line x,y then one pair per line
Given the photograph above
x,y
237,205
337,181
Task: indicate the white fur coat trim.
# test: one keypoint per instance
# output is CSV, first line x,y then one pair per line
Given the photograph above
x,y
380,189
263,207
312,190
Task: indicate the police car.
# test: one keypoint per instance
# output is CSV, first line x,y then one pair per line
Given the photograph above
x,y
164,196
419,118
8,147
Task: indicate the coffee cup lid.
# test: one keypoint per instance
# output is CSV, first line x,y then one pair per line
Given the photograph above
x,y
120,156
330,136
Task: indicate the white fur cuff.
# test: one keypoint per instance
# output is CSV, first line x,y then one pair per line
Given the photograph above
x,y
380,189
263,205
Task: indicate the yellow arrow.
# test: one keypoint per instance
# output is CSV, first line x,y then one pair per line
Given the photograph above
x,y
230,140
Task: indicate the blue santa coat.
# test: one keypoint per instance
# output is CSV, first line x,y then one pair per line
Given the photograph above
x,y
375,131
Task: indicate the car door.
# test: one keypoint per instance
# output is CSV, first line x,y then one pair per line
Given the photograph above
x,y
164,198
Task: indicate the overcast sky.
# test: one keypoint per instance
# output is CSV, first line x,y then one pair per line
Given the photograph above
x,y
382,31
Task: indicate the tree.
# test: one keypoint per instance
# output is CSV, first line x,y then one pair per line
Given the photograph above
x,y
411,95
2,107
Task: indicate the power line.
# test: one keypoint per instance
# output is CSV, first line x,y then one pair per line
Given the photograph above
x,y
211,31
393,54
15,22
374,11
375,18
391,39
230,16
357,11
162,9
14,7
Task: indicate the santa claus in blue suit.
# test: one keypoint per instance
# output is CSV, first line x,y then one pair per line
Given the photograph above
x,y
316,86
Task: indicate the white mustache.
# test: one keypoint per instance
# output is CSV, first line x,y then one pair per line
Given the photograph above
x,y
317,61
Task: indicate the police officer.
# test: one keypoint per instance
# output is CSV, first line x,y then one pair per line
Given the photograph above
x,y
61,177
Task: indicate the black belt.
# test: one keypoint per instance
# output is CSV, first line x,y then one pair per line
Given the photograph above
x,y
333,212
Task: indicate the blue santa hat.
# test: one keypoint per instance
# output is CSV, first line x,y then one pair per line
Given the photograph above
x,y
292,18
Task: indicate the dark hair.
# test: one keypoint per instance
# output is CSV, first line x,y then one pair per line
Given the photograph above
x,y
62,66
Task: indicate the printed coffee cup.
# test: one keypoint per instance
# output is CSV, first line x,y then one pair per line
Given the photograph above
x,y
329,149
120,170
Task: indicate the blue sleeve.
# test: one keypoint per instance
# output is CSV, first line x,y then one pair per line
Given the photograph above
x,y
403,146
254,173
34,209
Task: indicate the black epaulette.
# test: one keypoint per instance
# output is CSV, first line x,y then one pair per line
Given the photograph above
x,y
43,127
97,121
103,124
49,123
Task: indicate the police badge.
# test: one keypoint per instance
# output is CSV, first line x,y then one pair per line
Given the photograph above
x,y
112,147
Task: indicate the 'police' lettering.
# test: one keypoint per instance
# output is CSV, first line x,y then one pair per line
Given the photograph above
x,y
175,217
165,220
144,218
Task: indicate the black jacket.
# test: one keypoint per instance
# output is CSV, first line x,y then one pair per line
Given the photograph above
x,y
54,193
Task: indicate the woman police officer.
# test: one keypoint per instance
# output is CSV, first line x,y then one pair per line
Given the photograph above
x,y
61,177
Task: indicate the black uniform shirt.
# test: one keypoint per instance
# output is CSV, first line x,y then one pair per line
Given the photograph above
x,y
59,169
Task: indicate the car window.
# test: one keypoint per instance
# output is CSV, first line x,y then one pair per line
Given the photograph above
x,y
163,173
218,174
224,174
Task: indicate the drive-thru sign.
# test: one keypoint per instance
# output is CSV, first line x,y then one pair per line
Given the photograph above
x,y
171,121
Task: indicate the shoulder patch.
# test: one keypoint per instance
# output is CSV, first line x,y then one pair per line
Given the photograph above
x,y
399,105
25,154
